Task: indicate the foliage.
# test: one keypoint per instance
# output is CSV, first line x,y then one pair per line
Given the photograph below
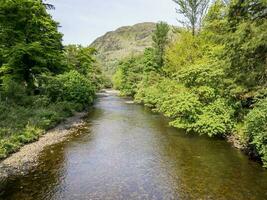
x,y
190,49
41,83
23,124
128,75
160,41
80,58
149,61
122,43
215,119
256,128
246,52
202,76
72,87
25,52
83,60
186,108
215,22
214,82
193,12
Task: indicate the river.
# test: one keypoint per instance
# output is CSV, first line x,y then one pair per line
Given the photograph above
x,y
125,151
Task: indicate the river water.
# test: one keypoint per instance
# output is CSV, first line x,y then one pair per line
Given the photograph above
x,y
127,152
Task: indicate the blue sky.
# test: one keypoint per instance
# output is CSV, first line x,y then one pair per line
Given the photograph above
x,y
82,21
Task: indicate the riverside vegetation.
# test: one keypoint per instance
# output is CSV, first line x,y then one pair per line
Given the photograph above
x,y
212,78
42,82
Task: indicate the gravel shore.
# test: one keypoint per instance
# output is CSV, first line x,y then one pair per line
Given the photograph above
x,y
25,159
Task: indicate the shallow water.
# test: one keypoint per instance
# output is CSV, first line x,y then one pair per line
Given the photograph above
x,y
127,152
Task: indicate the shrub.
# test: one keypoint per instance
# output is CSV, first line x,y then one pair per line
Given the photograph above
x,y
23,124
14,92
13,143
202,75
54,89
71,86
215,119
256,128
149,96
197,109
128,75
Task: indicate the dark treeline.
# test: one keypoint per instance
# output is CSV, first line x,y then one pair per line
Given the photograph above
x,y
211,77
41,81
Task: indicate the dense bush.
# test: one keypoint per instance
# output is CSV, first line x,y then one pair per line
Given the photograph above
x,y
41,82
23,124
212,82
256,128
128,76
12,144
186,50
71,86
215,119
82,60
186,108
13,92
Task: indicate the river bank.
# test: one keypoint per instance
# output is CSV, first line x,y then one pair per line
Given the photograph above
x,y
26,158
125,151
237,140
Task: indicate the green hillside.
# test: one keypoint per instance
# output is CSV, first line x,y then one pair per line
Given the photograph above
x,y
121,43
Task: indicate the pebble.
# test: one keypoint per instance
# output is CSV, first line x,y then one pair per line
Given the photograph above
x,y
27,158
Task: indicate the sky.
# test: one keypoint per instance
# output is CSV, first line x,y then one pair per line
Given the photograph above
x,y
82,21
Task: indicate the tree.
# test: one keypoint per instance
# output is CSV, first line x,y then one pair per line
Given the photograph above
x,y
215,24
193,11
246,46
29,40
183,52
241,10
82,60
48,5
149,60
129,73
160,39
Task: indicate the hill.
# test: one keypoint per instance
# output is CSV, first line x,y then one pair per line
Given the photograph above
x,y
121,43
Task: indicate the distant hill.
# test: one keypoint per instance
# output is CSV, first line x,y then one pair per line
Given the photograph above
x,y
121,43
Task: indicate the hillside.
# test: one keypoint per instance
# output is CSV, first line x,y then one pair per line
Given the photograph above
x,y
121,43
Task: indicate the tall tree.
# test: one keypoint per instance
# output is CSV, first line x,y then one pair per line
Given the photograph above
x,y
80,58
160,39
193,12
48,5
29,40
246,45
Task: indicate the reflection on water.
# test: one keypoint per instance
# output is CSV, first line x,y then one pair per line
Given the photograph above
x,y
126,152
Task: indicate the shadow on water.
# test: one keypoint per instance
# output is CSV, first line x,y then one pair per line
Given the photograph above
x,y
125,151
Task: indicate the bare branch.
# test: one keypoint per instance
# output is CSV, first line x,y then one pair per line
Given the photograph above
x,y
49,6
193,11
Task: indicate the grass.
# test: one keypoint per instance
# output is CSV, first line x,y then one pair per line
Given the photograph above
x,y
22,124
